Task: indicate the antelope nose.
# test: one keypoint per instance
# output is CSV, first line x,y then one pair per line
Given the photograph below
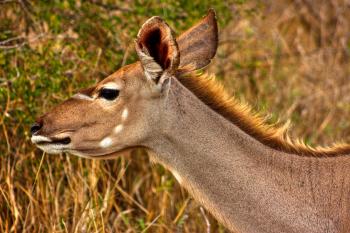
x,y
36,127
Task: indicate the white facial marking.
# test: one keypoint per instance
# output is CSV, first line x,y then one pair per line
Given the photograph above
x,y
106,142
125,114
37,139
118,129
82,97
111,85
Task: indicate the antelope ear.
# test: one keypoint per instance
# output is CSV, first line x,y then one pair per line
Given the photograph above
x,y
199,43
157,49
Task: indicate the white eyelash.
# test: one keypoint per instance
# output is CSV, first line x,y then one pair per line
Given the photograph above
x,y
82,97
111,85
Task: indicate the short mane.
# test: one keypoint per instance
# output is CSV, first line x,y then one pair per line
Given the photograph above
x,y
213,94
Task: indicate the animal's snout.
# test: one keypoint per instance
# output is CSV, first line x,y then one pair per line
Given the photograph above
x,y
36,127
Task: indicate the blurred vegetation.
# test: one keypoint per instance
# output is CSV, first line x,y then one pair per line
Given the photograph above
x,y
289,58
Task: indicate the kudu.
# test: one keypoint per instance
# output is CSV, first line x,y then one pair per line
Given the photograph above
x,y
249,175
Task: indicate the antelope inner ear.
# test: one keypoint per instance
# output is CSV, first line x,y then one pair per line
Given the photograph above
x,y
157,48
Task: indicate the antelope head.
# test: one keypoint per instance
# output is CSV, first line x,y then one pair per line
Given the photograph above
x,y
125,109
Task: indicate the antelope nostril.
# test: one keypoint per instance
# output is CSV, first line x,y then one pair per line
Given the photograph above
x,y
35,127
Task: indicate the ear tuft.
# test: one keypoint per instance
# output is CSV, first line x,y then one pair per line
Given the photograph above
x,y
157,48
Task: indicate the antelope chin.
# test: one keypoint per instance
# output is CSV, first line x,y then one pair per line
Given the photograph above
x,y
89,154
52,148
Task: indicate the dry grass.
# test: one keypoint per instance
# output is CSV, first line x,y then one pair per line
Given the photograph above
x,y
289,58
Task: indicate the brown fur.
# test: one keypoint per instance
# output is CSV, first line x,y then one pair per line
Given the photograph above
x,y
214,95
199,43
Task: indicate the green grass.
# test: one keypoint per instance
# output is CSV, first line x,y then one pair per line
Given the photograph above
x,y
50,49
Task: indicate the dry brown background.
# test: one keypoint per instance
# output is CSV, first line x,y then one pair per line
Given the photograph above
x,y
289,59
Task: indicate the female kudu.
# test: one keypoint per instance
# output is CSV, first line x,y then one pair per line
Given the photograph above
x,y
250,176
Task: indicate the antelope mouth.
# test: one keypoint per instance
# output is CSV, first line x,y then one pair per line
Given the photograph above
x,y
51,145
42,140
62,141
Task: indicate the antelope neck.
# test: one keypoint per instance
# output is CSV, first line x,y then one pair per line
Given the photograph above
x,y
247,185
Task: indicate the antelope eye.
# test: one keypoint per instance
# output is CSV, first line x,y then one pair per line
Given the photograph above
x,y
109,94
